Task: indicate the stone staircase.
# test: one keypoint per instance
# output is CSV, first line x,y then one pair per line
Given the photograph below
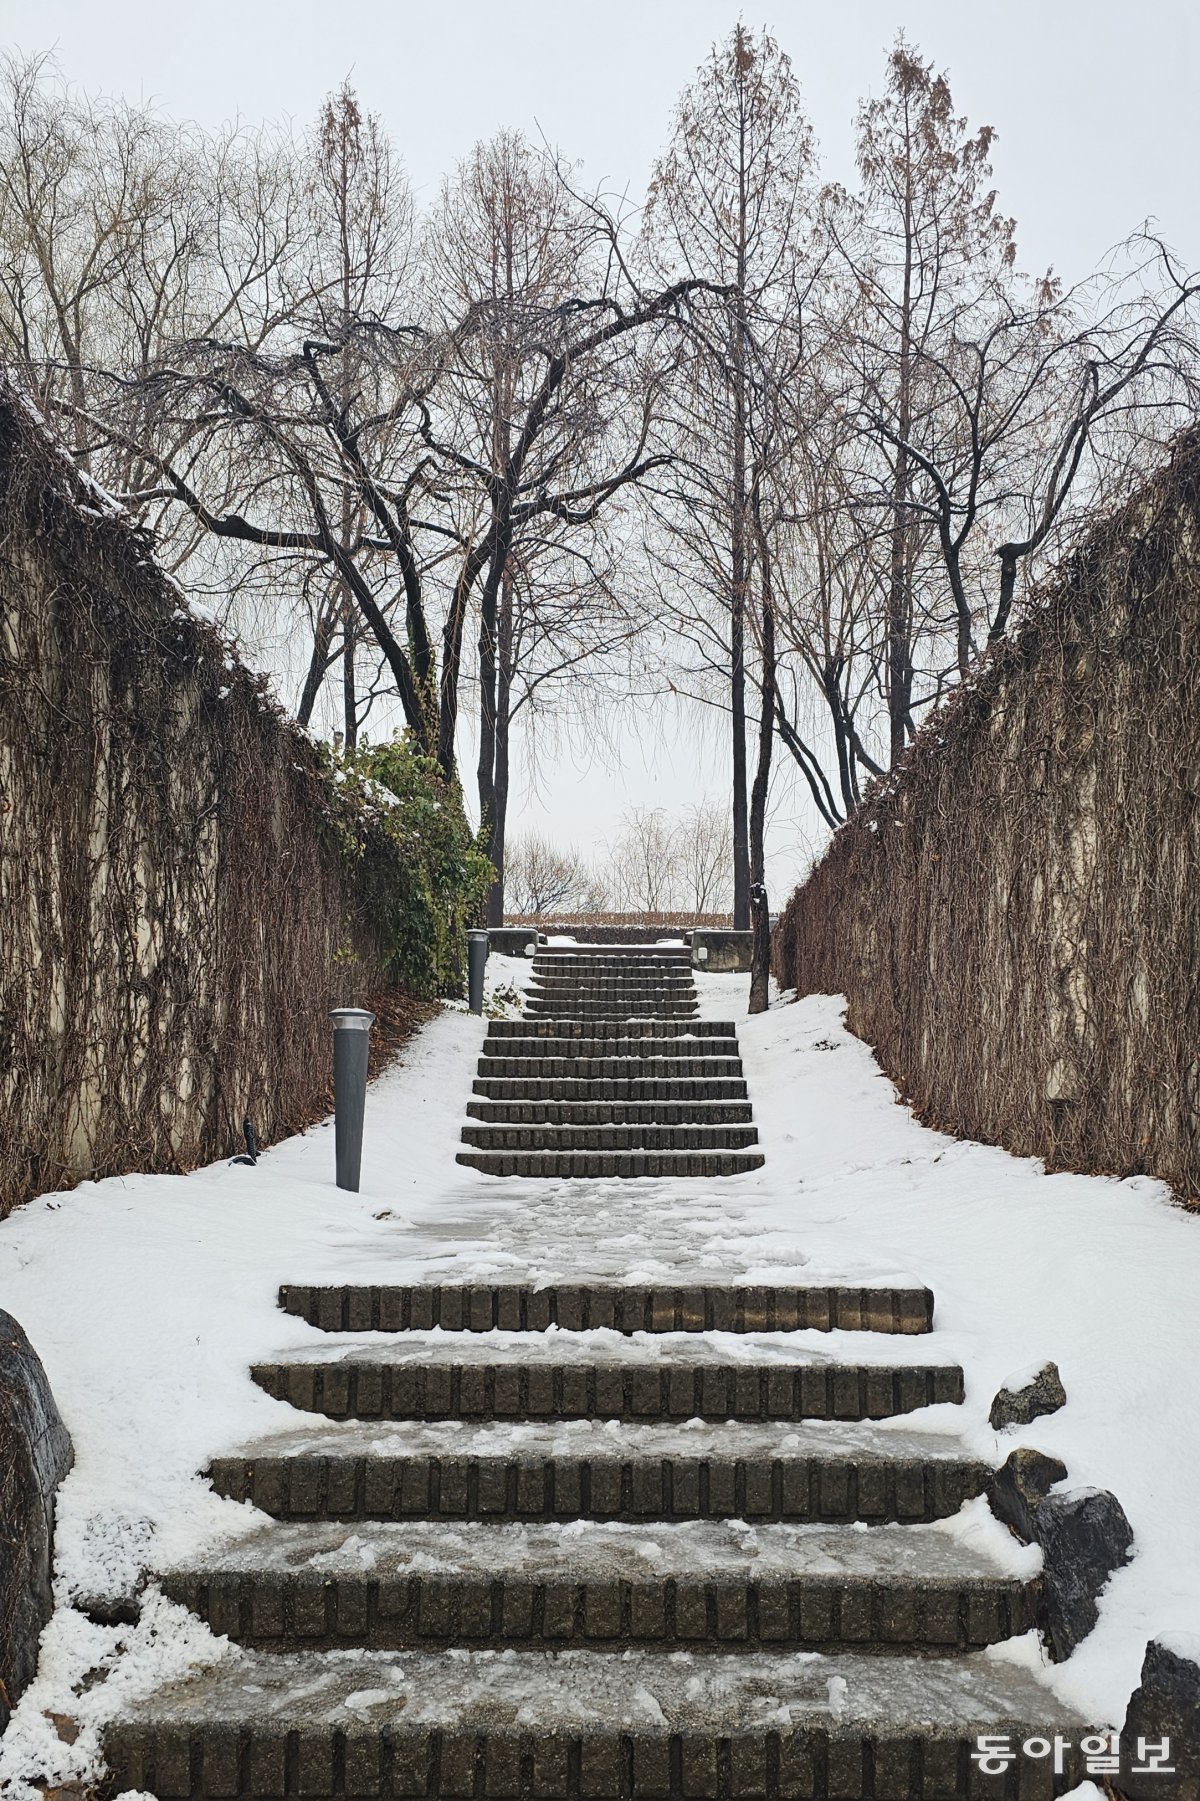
x,y
610,1073
600,1541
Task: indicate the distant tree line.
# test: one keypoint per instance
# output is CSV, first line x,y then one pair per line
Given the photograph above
x,y
657,863
792,451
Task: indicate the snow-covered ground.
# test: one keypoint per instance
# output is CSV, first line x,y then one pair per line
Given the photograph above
x,y
149,1296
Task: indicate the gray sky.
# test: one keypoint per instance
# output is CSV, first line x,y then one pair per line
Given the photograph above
x,y
1094,102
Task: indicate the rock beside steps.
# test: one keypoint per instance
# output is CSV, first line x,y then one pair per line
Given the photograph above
x,y
466,1583
611,1074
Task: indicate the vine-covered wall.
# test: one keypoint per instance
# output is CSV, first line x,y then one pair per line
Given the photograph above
x,y
185,886
1014,915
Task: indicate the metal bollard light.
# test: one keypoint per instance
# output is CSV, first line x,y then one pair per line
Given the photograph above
x,y
351,1053
477,956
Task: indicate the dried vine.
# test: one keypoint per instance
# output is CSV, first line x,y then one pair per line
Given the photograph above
x,y
184,891
1014,914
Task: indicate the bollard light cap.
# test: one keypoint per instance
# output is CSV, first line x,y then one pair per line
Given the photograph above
x,y
351,1019
477,934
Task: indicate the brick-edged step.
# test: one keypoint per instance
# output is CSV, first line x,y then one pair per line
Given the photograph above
x,y
615,955
648,1000
425,1583
641,1046
701,1306
586,1726
611,1113
610,1069
658,1137
596,1010
570,1376
540,1088
624,1165
628,1165
679,986
828,1473
611,1028
614,976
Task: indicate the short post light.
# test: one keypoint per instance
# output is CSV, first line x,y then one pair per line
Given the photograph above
x,y
477,956
351,1054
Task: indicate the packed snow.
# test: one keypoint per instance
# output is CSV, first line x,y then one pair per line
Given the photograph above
x,y
149,1297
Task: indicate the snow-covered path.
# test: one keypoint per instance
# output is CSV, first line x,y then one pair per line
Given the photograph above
x,y
148,1298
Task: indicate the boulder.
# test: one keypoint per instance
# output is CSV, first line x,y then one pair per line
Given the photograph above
x,y
35,1455
1018,1489
1026,1397
1165,1706
1084,1536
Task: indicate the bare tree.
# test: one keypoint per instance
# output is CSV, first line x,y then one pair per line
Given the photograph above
x,y
544,877
703,859
360,225
921,242
643,862
726,203
509,240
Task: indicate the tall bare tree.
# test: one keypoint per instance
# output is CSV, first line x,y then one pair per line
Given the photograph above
x,y
727,203
359,249
921,240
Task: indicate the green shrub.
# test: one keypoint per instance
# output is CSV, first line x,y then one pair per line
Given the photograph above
x,y
422,878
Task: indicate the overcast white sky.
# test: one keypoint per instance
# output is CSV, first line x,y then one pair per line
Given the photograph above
x,y
1095,103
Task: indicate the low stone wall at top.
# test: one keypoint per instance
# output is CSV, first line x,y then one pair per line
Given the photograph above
x,y
1014,915
182,897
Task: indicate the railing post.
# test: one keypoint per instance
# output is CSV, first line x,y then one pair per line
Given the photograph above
x,y
351,1054
477,956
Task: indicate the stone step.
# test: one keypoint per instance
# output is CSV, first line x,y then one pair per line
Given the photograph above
x,y
633,1000
625,1011
607,1376
513,1137
539,1088
611,1113
646,1030
562,969
828,1473
609,1069
550,987
627,1165
586,1726
615,954
603,1049
700,1306
325,1585
630,976
630,1045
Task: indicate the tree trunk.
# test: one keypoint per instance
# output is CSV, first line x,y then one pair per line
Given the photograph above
x,y
760,921
737,647
486,766
498,801
899,694
318,663
349,690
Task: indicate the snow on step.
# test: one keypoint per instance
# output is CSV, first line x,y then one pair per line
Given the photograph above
x,y
692,1303
591,1725
584,1469
394,1587
604,1375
